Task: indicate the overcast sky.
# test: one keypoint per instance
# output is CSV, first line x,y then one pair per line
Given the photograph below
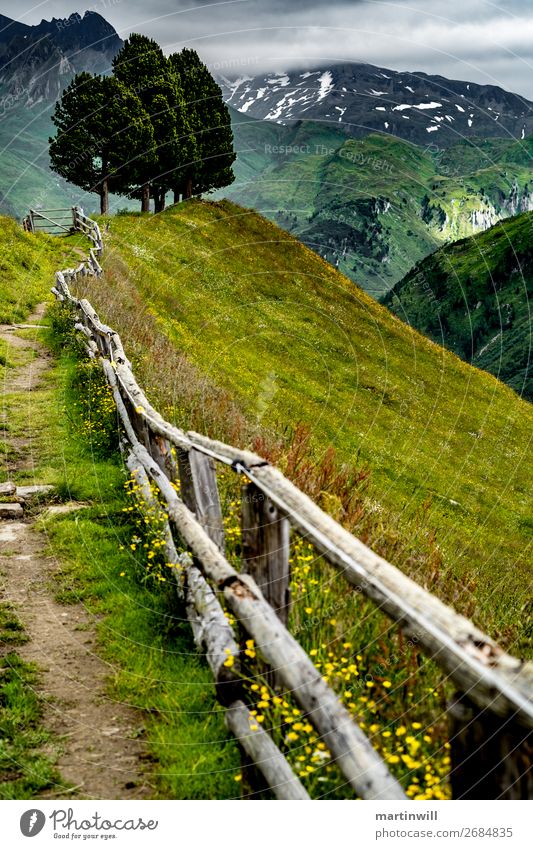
x,y
487,42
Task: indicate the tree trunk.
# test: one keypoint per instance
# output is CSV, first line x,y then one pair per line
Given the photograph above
x,y
159,199
176,196
104,197
145,201
187,191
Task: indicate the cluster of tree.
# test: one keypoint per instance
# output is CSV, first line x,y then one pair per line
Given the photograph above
x,y
157,124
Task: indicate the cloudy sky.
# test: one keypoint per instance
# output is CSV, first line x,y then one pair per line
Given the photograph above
x,y
488,42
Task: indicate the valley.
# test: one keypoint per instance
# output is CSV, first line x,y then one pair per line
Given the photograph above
x,y
376,205
473,297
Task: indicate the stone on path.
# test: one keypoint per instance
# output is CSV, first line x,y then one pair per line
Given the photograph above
x,y
28,492
8,488
11,511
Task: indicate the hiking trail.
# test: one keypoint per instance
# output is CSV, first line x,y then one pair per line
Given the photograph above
x,y
100,739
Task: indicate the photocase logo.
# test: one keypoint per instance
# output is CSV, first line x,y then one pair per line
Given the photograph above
x,y
32,822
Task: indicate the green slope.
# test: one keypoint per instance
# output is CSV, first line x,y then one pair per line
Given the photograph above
x,y
25,176
375,206
474,297
290,340
26,179
27,266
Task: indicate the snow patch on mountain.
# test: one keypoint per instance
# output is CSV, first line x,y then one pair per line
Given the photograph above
x,y
346,94
326,84
280,81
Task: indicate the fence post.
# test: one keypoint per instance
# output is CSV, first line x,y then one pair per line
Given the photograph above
x,y
199,492
138,423
265,548
491,756
161,451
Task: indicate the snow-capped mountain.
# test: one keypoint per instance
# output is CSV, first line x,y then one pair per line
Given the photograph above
x,y
363,98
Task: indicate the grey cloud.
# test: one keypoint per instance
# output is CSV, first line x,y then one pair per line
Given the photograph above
x,y
467,39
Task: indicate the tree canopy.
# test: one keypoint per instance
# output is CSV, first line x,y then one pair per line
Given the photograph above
x,y
210,121
104,137
155,125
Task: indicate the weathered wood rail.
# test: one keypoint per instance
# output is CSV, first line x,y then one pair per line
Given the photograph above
x,y
67,220
491,715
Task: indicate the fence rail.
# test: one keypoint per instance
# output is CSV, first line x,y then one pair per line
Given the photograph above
x,y
491,715
64,220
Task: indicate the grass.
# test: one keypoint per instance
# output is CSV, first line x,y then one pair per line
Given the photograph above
x,y
27,267
237,330
236,338
156,667
11,630
395,695
473,297
27,750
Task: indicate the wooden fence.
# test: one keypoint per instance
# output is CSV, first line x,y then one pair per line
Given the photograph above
x,y
491,715
61,221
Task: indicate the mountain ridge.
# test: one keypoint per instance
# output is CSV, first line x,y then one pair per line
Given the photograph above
x,y
36,62
473,297
366,98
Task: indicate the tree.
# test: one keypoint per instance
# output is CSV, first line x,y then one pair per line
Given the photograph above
x,y
143,68
211,124
104,137
156,124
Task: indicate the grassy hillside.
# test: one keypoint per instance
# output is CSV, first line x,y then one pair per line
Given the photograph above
x,y
25,176
237,329
473,296
375,206
26,179
27,266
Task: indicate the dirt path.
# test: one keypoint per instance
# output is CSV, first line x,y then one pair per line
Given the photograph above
x,y
102,755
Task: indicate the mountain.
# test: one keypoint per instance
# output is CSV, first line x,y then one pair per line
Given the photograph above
x,y
36,63
474,297
361,99
374,206
371,203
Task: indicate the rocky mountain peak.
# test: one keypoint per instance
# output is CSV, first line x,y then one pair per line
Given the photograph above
x,y
361,98
36,62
